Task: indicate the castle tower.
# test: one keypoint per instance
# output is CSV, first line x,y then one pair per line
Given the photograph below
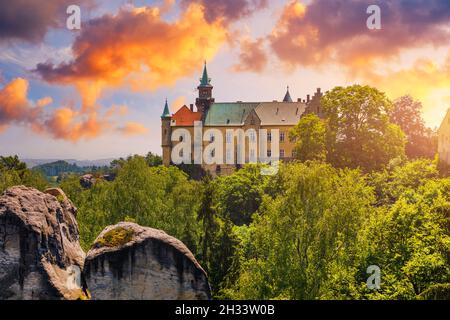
x,y
166,134
205,99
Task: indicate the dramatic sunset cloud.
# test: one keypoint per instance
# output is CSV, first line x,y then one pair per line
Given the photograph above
x,y
426,80
14,105
335,31
63,123
252,56
137,49
228,11
29,20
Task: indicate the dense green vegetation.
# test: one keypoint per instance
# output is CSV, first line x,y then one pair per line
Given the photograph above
x,y
353,199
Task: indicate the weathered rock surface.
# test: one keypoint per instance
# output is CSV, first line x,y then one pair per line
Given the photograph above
x,y
87,181
130,262
40,255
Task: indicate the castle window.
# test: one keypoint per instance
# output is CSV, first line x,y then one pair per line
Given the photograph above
x,y
269,153
282,137
218,169
211,138
213,152
269,136
181,153
181,138
281,153
229,137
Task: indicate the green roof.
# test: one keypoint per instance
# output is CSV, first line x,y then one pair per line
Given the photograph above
x,y
166,112
229,114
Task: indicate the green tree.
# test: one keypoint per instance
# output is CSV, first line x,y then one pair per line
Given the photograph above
x,y
309,136
411,241
421,141
359,133
303,234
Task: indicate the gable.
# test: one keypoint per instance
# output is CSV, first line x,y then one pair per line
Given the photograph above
x,y
185,117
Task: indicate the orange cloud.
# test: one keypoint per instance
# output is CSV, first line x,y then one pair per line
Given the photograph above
x,y
426,81
132,129
62,123
138,49
326,31
14,105
252,57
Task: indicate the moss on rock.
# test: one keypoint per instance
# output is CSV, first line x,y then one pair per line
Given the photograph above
x,y
115,237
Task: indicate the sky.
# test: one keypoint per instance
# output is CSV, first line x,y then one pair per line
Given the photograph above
x,y
99,91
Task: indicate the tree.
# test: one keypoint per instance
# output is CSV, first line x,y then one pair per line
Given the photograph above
x,y
12,163
410,242
304,235
421,141
153,160
309,137
359,133
240,194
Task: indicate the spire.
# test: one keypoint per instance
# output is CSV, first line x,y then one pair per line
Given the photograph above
x,y
287,97
205,80
166,112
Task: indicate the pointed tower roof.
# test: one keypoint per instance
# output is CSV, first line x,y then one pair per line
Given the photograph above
x,y
205,80
287,97
166,112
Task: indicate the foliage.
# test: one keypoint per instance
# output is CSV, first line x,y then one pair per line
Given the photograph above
x,y
421,141
309,136
400,176
359,133
302,234
14,172
157,197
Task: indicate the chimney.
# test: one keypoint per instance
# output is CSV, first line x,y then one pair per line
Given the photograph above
x,y
319,91
191,106
308,98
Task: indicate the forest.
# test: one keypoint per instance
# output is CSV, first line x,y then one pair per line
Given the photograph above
x,y
367,189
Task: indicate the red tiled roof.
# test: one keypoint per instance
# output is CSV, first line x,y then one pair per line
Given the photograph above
x,y
185,117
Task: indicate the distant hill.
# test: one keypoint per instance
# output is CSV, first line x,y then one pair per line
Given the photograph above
x,y
31,163
58,167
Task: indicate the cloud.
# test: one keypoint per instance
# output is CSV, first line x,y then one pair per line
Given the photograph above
x,y
138,49
14,105
132,129
425,80
252,56
335,31
63,123
30,20
229,10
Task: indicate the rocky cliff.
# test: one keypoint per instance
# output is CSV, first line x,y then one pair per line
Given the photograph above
x,y
40,254
128,261
41,258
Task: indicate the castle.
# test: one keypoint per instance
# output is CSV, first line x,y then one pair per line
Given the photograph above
x,y
223,116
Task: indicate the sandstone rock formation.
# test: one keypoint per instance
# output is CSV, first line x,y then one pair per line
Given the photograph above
x,y
40,256
130,262
87,181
